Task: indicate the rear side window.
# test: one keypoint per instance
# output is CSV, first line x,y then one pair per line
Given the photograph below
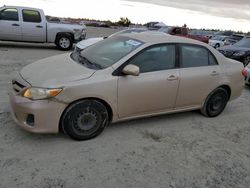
x,y
31,16
196,56
9,14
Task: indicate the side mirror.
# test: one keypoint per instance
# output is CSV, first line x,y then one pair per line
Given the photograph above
x,y
132,70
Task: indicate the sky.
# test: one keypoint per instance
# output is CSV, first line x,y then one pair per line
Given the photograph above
x,y
212,14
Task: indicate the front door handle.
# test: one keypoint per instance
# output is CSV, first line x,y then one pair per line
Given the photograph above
x,y
39,26
172,77
214,73
15,25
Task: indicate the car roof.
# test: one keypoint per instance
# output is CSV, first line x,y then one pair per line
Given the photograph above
x,y
155,37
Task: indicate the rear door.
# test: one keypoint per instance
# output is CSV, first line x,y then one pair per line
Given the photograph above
x,y
10,27
33,26
199,75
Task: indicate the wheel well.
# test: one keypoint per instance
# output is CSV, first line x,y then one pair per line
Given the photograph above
x,y
59,34
228,89
109,109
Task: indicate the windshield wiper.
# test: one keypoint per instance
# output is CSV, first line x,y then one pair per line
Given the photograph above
x,y
84,60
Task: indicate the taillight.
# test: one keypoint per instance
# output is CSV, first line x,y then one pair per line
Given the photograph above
x,y
244,72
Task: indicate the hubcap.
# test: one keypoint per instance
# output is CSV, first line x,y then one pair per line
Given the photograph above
x,y
64,42
86,121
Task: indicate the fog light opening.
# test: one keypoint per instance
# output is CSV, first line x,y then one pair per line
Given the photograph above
x,y
30,120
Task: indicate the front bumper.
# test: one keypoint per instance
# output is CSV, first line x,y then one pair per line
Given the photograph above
x,y
40,116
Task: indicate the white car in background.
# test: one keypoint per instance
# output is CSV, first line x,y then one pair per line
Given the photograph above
x,y
218,41
88,42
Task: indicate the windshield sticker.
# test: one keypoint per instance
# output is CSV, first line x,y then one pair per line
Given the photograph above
x,y
133,42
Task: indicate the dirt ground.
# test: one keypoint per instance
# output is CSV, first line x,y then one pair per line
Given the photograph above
x,y
185,150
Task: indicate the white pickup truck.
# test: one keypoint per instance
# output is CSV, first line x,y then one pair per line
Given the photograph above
x,y
30,25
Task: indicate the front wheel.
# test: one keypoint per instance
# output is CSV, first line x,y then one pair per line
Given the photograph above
x,y
64,42
215,103
85,119
217,46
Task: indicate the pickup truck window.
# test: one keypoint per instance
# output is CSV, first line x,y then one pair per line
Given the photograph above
x,y
31,16
9,14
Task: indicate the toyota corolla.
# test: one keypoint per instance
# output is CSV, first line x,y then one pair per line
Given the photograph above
x,y
124,77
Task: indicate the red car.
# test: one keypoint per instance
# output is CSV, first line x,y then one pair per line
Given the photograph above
x,y
183,32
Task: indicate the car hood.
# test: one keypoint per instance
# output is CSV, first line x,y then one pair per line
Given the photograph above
x,y
88,42
234,48
55,71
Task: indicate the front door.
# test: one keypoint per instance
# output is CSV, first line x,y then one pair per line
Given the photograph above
x,y
155,89
10,28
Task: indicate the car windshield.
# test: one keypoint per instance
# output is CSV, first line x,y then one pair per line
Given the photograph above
x,y
245,43
164,29
107,52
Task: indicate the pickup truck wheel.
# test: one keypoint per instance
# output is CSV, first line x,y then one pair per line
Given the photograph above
x,y
64,42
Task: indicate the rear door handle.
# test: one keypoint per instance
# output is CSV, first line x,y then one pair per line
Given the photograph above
x,y
39,26
172,77
214,73
15,25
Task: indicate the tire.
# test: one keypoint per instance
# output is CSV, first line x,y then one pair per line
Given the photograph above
x,y
246,61
215,103
85,119
216,46
64,42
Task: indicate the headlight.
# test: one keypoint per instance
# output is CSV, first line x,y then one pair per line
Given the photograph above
x,y
239,53
40,93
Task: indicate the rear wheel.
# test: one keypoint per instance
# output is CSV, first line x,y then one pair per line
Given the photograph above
x,y
64,42
85,119
215,103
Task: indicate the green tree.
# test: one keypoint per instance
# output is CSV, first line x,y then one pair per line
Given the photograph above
x,y
124,21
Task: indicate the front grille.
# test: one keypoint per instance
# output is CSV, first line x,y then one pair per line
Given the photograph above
x,y
18,87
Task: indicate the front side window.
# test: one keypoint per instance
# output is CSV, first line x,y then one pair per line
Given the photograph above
x,y
195,56
31,16
9,14
155,58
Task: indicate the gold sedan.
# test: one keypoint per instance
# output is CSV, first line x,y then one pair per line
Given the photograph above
x,y
123,77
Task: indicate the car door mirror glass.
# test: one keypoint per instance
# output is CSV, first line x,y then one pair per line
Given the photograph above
x,y
132,70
